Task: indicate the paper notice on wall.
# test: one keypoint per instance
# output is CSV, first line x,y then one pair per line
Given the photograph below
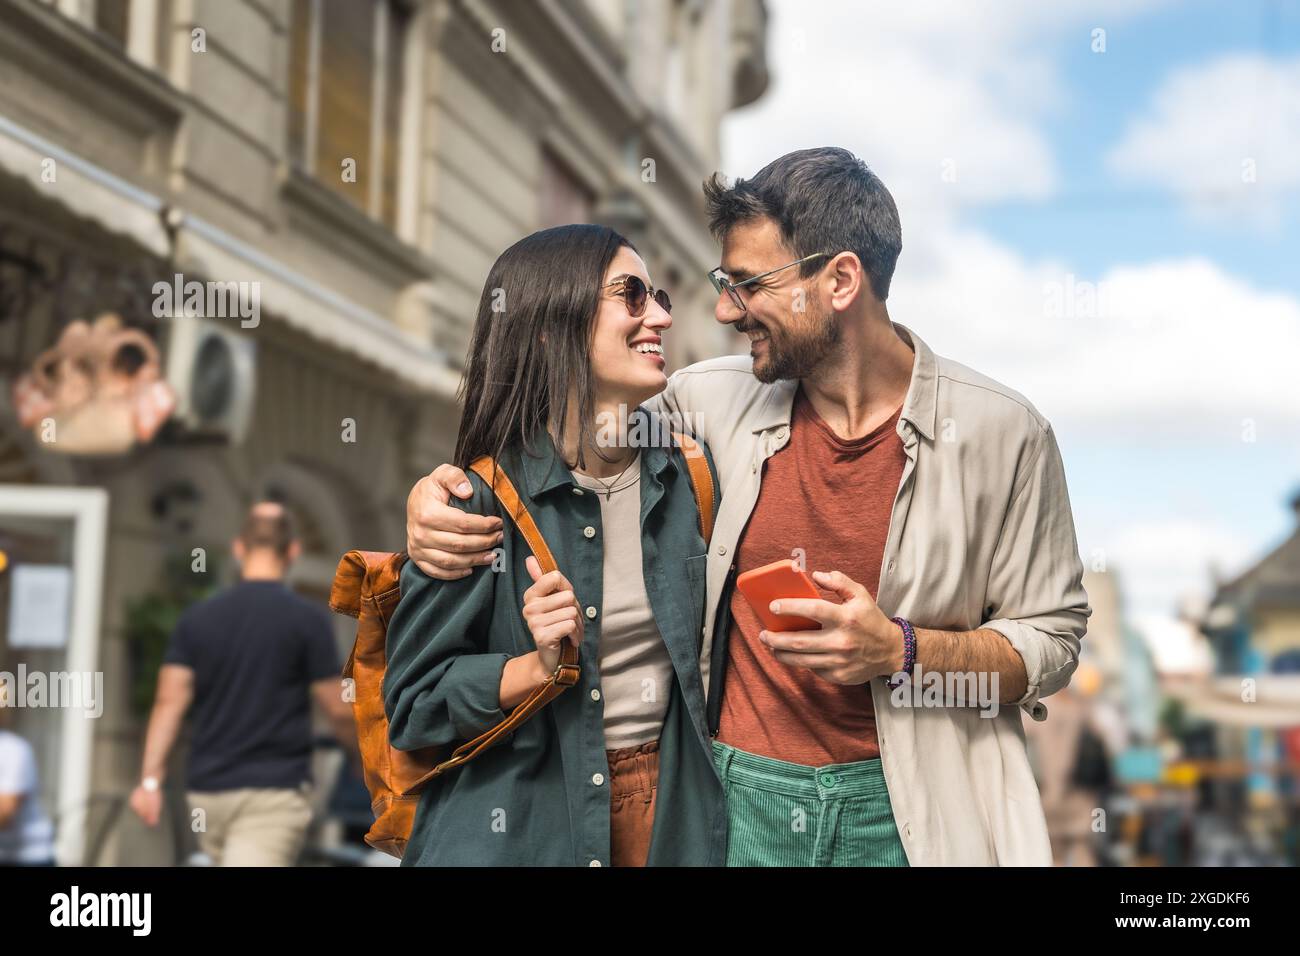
x,y
40,601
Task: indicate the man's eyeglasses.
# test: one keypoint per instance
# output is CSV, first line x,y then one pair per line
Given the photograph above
x,y
721,282
636,294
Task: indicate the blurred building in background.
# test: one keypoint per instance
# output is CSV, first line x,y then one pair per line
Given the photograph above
x,y
1107,712
1196,766
1126,673
1253,701
347,170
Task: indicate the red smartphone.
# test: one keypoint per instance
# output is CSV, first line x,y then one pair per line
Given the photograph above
x,y
772,582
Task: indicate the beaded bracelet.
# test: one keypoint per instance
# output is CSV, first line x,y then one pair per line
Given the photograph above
x,y
909,648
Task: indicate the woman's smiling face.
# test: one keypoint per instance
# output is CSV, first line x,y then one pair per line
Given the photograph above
x,y
627,359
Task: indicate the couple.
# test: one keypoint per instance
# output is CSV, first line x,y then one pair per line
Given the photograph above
x,y
928,501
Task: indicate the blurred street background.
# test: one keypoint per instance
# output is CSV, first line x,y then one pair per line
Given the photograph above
x,y
1100,209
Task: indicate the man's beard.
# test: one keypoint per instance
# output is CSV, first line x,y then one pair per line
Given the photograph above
x,y
795,351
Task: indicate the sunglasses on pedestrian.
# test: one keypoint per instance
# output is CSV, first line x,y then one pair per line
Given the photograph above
x,y
722,282
636,294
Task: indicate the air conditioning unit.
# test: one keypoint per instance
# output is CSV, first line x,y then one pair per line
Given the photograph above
x,y
213,371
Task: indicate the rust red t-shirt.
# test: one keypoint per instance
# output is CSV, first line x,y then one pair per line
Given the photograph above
x,y
833,498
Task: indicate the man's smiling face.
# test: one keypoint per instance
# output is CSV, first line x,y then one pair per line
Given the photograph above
x,y
791,328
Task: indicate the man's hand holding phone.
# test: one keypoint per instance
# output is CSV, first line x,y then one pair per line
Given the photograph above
x,y
847,643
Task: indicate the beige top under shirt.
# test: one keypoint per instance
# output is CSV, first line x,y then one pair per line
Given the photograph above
x,y
636,672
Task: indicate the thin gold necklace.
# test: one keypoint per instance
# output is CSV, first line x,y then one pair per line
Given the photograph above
x,y
609,488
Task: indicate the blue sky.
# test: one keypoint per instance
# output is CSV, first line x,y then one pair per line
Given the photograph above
x,y
1164,171
1100,221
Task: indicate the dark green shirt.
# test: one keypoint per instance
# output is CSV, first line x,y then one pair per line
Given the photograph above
x,y
541,795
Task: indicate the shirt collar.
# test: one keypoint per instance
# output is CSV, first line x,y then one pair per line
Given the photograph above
x,y
545,469
919,407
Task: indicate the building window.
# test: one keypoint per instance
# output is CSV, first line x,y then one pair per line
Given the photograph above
x,y
345,98
564,199
111,18
680,74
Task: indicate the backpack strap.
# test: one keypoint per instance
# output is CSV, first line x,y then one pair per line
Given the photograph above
x,y
697,466
566,673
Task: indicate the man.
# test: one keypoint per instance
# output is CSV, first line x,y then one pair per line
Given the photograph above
x,y
250,659
931,499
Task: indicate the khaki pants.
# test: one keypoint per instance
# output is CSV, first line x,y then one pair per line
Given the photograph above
x,y
250,826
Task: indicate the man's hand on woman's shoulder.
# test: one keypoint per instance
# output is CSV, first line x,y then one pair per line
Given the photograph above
x,y
443,541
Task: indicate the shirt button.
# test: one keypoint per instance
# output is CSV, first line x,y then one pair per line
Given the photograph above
x,y
594,863
722,549
595,694
598,778
578,491
781,433
907,830
589,531
891,567
591,613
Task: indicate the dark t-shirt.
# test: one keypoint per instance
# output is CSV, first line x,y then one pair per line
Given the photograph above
x,y
255,649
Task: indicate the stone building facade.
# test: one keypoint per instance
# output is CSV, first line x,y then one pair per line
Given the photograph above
x,y
360,163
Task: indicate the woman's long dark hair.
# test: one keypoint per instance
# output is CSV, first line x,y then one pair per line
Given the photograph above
x,y
532,341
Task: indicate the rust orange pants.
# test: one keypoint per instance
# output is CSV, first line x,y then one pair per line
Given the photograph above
x,y
633,781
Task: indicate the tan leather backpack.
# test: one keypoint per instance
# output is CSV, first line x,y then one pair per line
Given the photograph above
x,y
367,586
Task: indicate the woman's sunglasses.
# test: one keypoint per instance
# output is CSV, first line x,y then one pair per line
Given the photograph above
x,y
636,294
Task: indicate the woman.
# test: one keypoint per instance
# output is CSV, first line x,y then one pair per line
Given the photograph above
x,y
618,769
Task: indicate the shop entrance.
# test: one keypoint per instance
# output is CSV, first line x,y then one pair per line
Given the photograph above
x,y
52,544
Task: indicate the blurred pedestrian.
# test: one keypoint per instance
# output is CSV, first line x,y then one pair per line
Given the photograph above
x,y
250,660
26,836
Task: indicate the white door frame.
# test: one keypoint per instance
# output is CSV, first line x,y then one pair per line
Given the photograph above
x,y
87,509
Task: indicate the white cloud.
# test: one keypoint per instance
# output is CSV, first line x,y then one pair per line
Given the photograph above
x,y
1223,135
1177,346
920,90
1163,562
